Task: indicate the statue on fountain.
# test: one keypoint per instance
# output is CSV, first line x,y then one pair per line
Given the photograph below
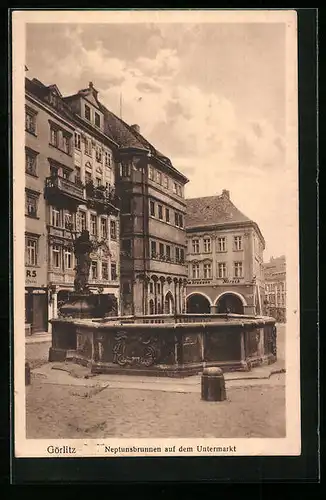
x,y
82,250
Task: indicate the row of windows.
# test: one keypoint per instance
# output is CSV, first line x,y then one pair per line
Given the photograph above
x,y
161,251
31,168
158,251
272,287
61,139
89,179
276,300
94,224
165,181
204,245
88,148
163,213
155,287
63,259
205,271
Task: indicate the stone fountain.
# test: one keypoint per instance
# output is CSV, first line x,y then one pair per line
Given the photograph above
x,y
160,345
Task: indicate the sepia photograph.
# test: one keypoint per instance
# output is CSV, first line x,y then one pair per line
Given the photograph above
x,y
156,247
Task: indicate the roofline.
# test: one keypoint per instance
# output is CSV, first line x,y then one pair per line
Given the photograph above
x,y
128,149
173,169
74,117
150,148
49,109
84,122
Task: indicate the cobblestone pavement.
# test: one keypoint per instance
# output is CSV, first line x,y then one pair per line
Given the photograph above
x,y
37,354
72,412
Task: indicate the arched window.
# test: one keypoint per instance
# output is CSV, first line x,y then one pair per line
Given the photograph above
x,y
151,306
169,304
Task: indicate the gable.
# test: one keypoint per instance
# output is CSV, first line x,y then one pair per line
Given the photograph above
x,y
54,89
91,99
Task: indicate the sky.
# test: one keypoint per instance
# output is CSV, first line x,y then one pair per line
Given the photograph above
x,y
211,97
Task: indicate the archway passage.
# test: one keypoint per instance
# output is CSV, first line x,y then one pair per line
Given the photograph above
x,y
169,304
230,303
199,304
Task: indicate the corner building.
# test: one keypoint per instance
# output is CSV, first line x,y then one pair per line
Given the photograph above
x,y
70,175
224,257
152,235
38,155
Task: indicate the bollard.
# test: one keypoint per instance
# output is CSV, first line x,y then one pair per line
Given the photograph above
x,y
27,374
213,385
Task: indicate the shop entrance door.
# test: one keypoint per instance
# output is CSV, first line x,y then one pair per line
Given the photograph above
x,y
40,313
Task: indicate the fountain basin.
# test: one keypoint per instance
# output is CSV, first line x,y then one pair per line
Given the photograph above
x,y
172,346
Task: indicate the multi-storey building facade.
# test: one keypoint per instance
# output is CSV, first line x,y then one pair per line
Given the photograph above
x,y
152,234
38,152
95,171
59,204
275,288
224,257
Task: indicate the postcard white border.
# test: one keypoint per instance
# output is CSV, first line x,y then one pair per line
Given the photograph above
x,y
291,445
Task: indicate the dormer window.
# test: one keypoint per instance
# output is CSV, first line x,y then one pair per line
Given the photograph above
x,y
97,120
87,112
53,99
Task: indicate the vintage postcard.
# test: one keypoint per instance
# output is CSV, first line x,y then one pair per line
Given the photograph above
x,y
156,247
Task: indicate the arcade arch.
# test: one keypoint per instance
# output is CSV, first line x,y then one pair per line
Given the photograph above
x,y
198,302
230,302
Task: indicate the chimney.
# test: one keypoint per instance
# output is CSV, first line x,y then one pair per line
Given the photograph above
x,y
136,128
226,193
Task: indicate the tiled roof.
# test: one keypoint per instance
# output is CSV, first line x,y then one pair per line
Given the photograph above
x,y
210,210
127,137
118,130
